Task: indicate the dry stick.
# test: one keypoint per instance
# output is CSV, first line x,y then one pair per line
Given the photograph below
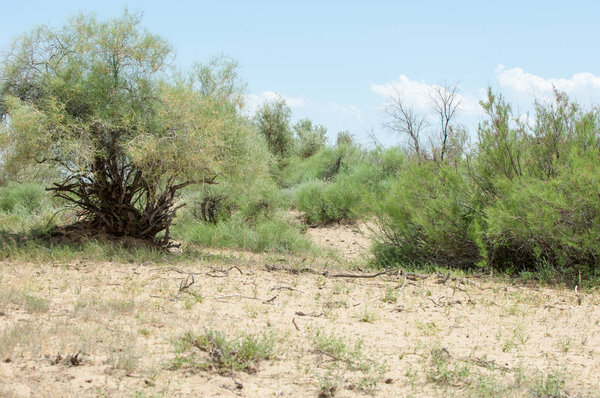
x,y
184,272
433,301
269,301
403,284
300,313
223,272
295,325
211,273
327,274
186,283
408,275
286,288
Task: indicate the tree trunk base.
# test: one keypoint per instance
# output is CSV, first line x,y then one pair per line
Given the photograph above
x,y
84,231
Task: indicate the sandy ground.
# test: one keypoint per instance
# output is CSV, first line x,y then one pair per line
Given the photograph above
x,y
91,329
350,242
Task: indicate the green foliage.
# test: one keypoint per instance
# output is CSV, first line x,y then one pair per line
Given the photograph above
x,y
344,138
311,138
273,121
26,209
526,200
323,165
324,202
28,197
99,102
340,183
425,218
347,356
225,355
547,223
274,235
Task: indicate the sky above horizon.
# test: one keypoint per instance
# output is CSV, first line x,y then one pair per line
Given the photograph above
x,y
338,62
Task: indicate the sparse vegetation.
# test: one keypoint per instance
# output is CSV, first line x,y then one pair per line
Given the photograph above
x,y
345,357
241,354
138,201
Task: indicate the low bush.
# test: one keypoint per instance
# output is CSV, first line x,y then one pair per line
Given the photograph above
x,y
29,197
264,235
525,201
225,355
426,219
323,202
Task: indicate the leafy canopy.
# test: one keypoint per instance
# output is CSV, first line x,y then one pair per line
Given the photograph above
x,y
100,101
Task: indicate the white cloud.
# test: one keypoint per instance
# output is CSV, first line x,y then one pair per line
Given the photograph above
x,y
584,87
415,94
314,110
254,101
293,102
345,110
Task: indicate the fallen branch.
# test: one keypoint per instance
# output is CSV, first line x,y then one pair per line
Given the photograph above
x,y
327,274
286,288
268,301
186,283
314,314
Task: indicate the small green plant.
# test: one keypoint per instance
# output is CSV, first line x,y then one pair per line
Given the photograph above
x,y
428,328
444,371
367,315
29,197
391,295
329,382
124,359
550,385
241,354
350,357
22,298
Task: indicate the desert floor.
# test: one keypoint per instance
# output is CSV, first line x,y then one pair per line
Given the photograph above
x,y
131,329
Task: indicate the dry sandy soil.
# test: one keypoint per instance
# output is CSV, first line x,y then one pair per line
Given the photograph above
x,y
91,329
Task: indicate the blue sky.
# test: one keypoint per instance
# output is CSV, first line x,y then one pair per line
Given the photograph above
x,y
337,62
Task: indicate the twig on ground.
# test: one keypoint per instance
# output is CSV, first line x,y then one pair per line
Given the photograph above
x,y
295,325
186,283
327,274
433,301
286,288
184,272
268,301
314,315
220,273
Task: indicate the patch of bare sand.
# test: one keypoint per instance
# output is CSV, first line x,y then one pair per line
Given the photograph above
x,y
350,241
465,337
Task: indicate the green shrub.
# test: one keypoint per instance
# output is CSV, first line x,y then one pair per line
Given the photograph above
x,y
26,196
324,202
540,224
323,165
273,122
311,138
274,235
223,354
426,218
526,199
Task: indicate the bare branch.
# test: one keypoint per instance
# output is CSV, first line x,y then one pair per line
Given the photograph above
x,y
404,121
445,101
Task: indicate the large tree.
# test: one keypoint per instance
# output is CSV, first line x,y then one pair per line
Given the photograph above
x,y
99,101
